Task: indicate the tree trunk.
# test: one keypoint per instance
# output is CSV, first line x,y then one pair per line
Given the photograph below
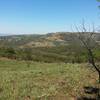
x,y
99,77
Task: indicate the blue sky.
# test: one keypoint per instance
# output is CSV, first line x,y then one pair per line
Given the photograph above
x,y
42,16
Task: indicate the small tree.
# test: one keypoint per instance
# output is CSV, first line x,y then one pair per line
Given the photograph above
x,y
87,39
10,53
27,56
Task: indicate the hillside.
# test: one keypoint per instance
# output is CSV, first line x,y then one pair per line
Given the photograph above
x,y
47,40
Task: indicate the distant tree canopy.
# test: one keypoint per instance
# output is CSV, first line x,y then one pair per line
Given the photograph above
x,y
10,53
98,1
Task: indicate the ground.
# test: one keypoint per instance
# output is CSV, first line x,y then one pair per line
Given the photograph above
x,y
43,81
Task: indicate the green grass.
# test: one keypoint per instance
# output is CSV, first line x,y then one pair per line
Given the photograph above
x,y
42,81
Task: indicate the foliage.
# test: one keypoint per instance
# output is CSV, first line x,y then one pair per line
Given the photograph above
x,y
67,54
98,0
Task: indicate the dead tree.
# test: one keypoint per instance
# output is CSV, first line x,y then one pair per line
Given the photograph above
x,y
87,39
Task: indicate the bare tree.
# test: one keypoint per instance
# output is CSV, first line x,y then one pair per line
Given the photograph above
x,y
87,39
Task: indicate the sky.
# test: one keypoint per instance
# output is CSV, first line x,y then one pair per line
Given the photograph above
x,y
44,16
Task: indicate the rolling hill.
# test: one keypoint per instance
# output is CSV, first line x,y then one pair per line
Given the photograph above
x,y
47,40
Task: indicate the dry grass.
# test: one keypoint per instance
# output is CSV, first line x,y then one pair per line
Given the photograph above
x,y
43,81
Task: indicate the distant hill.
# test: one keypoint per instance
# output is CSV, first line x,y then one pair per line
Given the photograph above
x,y
47,40
51,47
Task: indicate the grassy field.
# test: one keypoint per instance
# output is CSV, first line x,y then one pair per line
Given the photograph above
x,y
43,81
